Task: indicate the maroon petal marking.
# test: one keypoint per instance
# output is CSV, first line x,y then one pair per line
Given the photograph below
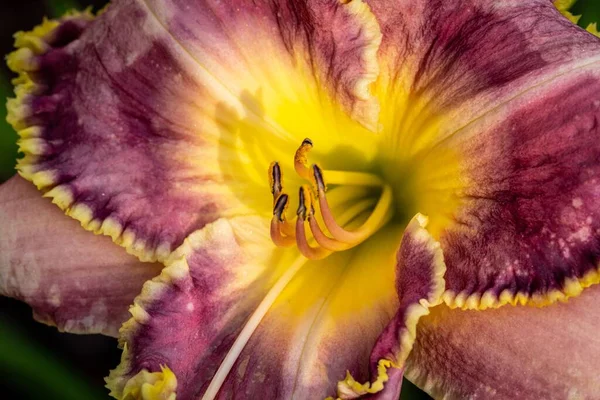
x,y
325,321
512,352
458,59
72,279
101,138
133,123
339,40
529,226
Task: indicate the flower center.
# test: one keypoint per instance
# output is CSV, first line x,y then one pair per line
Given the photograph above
x,y
314,209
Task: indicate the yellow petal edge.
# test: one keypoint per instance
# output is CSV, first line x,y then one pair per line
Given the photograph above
x,y
151,385
176,269
23,61
572,287
349,388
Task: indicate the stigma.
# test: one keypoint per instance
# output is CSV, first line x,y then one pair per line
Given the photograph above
x,y
314,229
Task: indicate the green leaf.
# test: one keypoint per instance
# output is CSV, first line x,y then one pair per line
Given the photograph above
x,y
589,11
8,137
56,8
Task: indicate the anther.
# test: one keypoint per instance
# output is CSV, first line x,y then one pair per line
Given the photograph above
x,y
318,175
335,238
303,198
275,179
301,159
280,206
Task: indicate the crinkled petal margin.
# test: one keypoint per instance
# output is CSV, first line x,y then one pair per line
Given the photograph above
x,y
120,388
420,284
528,229
39,60
324,321
166,156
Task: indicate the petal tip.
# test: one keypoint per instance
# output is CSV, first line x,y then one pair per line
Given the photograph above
x,y
152,385
145,385
32,46
349,388
176,270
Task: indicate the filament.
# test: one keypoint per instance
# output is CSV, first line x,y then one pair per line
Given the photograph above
x,y
380,215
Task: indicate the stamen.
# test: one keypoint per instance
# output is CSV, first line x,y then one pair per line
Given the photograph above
x,y
281,203
381,214
280,227
305,210
301,159
287,228
284,233
333,177
351,178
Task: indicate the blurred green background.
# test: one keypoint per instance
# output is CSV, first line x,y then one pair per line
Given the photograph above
x,y
36,361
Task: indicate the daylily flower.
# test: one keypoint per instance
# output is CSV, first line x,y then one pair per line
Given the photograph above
x,y
314,177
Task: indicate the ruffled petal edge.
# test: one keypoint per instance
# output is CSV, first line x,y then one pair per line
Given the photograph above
x,y
490,299
397,340
117,382
27,62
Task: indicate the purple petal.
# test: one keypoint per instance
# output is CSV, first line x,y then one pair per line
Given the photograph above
x,y
74,280
447,62
419,284
528,229
324,323
499,111
513,352
132,121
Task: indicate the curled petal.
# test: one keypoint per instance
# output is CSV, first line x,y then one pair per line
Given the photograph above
x,y
74,280
513,352
144,124
419,284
